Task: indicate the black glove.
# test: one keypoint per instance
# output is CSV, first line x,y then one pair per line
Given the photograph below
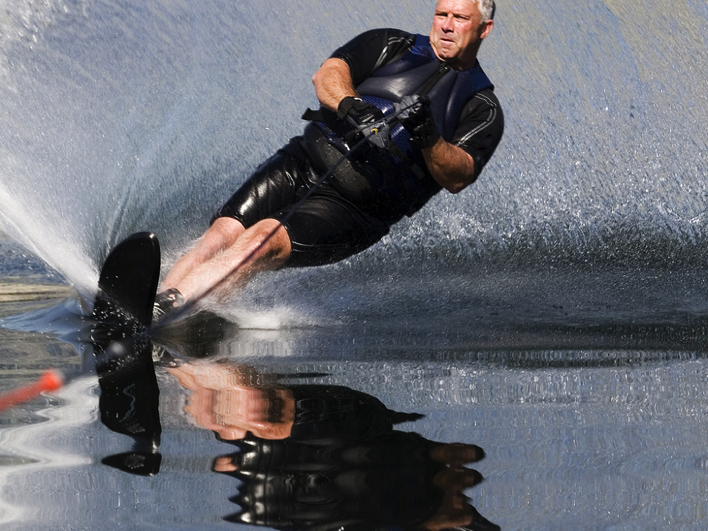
x,y
358,112
420,124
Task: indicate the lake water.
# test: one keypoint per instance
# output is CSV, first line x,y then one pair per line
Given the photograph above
x,y
544,330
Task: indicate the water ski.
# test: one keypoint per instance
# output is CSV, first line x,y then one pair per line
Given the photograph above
x,y
128,282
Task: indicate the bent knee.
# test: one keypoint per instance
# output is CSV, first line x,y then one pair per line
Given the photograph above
x,y
226,227
222,233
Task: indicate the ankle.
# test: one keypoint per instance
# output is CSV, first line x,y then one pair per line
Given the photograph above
x,y
166,302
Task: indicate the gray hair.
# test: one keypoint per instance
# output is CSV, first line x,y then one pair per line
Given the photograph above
x,y
486,9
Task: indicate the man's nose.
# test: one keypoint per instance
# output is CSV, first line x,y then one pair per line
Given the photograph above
x,y
447,25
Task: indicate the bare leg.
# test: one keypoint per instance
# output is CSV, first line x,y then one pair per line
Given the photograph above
x,y
220,235
219,261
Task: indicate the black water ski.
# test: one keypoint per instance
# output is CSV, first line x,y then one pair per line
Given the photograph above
x,y
128,282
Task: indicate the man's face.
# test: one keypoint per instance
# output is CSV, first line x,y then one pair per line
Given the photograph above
x,y
457,32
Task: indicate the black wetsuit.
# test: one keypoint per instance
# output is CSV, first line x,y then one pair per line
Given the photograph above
x,y
367,193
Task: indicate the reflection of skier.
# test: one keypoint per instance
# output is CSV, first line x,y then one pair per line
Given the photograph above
x,y
443,144
327,457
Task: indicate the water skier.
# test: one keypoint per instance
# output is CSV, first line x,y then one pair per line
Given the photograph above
x,y
443,141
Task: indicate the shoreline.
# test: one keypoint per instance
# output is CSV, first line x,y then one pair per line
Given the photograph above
x,y
23,291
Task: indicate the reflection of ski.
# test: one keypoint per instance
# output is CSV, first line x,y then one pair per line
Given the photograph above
x,y
130,401
128,282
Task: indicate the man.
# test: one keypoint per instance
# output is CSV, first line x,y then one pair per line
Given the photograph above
x,y
443,141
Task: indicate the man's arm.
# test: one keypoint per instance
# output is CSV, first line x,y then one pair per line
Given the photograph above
x,y
450,166
350,64
333,82
354,62
457,164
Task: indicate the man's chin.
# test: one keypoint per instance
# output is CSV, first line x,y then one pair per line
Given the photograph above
x,y
447,53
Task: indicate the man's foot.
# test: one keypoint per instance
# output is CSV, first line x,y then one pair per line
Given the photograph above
x,y
166,302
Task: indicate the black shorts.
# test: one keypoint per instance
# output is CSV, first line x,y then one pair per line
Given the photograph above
x,y
323,229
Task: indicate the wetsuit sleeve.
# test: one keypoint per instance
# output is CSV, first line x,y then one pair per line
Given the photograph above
x,y
372,50
480,128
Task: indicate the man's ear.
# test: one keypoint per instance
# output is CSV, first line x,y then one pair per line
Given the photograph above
x,y
486,29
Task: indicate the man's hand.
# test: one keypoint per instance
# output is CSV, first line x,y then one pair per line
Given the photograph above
x,y
420,124
358,112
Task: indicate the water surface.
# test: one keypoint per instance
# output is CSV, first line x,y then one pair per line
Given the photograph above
x,y
553,314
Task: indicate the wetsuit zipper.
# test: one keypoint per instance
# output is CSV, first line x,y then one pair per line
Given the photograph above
x,y
436,76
